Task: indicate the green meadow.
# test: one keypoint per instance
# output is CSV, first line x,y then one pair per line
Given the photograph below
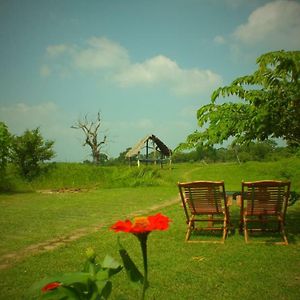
x,y
47,224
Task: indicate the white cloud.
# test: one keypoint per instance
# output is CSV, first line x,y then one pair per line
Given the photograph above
x,y
277,24
162,70
57,50
152,71
45,71
195,82
98,54
102,54
219,39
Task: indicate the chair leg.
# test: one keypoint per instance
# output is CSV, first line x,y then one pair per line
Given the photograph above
x,y
189,230
245,230
241,226
224,231
283,233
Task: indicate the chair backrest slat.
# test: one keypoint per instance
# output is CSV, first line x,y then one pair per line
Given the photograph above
x,y
265,197
203,196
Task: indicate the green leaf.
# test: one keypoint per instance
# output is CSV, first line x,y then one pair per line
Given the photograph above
x,y
70,278
102,275
93,293
91,269
106,290
79,287
110,263
69,293
54,295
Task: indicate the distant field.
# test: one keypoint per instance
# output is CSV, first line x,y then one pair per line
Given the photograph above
x,y
76,175
47,225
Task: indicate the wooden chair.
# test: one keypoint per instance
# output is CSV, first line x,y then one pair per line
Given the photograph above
x,y
263,202
205,201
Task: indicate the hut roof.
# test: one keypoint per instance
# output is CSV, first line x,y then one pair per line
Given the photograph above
x,y
160,146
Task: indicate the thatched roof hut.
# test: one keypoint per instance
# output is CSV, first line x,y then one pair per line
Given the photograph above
x,y
150,142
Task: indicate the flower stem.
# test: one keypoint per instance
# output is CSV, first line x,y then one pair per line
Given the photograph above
x,y
143,242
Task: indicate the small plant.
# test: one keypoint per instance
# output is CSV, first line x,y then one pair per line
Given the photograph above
x,y
93,282
294,196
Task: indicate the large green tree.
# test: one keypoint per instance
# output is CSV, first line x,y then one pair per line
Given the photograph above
x,y
265,104
30,151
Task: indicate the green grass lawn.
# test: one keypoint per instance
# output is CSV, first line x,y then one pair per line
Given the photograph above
x,y
177,270
31,218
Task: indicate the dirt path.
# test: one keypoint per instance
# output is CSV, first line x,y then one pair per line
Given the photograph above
x,y
187,174
9,259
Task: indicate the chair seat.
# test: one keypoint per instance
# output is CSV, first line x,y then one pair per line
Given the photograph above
x,y
262,213
207,212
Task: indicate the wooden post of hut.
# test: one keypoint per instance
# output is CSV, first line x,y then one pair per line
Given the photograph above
x,y
138,160
154,152
147,151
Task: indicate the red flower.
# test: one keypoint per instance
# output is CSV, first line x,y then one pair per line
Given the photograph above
x,y
51,286
143,224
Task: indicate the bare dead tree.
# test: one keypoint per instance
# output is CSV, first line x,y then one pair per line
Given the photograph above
x,y
91,131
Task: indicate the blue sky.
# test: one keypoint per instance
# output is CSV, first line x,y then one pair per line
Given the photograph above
x,y
147,66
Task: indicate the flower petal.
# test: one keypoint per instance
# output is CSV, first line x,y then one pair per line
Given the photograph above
x,y
51,286
122,226
143,224
159,222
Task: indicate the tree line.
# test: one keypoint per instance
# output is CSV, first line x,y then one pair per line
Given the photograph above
x,y
254,151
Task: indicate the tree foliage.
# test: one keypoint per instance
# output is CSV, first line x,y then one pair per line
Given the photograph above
x,y
254,151
5,143
269,106
30,151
